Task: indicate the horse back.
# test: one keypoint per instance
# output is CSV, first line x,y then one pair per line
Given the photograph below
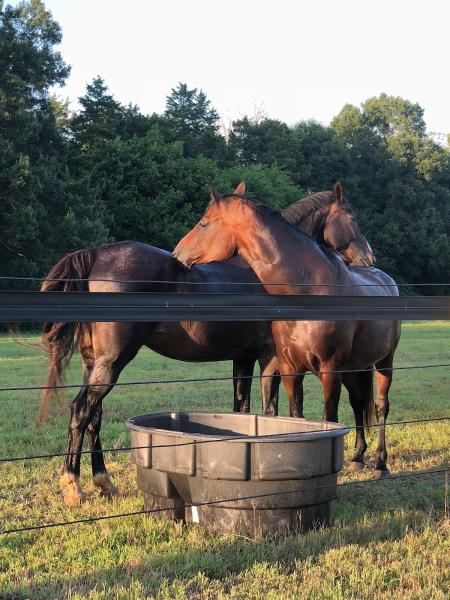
x,y
134,267
369,281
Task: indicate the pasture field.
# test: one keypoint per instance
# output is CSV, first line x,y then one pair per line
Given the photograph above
x,y
389,539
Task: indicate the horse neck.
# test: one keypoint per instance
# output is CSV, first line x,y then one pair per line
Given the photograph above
x,y
313,224
283,255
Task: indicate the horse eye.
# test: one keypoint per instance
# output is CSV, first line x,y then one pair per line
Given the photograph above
x,y
203,223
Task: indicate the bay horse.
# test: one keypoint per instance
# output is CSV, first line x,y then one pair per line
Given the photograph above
x,y
236,225
106,348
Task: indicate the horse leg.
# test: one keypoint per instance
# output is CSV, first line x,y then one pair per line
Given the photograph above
x,y
292,376
114,346
99,472
69,481
331,388
270,384
384,380
352,383
70,476
84,410
242,383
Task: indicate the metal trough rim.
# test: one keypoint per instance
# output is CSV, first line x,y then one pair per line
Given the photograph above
x,y
330,429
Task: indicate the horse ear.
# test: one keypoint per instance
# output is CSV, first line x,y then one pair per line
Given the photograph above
x,y
213,194
338,194
240,190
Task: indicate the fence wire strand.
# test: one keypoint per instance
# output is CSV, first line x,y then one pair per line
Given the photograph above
x,y
221,378
221,283
219,501
242,437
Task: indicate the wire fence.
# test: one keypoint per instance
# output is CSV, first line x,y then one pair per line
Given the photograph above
x,y
196,442
220,378
217,283
40,526
391,478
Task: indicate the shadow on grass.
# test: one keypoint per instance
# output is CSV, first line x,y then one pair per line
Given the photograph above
x,y
360,518
399,464
423,491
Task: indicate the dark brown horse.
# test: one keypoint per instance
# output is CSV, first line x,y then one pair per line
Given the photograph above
x,y
106,348
235,225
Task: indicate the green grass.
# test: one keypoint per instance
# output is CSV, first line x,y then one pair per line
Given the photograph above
x,y
388,539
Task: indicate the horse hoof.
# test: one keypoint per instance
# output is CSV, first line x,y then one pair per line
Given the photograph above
x,y
72,493
74,499
109,492
107,488
381,473
356,465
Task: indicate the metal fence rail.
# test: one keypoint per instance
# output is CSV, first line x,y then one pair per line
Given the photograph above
x,y
32,307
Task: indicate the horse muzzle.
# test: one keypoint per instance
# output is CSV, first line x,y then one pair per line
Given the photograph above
x,y
183,257
358,256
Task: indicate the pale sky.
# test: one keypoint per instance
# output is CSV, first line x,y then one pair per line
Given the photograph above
x,y
295,59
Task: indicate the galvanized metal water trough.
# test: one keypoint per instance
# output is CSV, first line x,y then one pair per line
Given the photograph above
x,y
204,457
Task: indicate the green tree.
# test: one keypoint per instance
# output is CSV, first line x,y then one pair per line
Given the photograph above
x,y
37,195
269,185
195,122
322,157
312,154
401,126
403,187
267,142
103,118
100,116
152,193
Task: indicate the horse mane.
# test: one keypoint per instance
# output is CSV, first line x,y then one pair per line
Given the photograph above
x,y
262,210
294,214
298,211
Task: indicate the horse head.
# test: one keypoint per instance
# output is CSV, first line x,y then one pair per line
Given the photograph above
x,y
330,221
209,240
341,232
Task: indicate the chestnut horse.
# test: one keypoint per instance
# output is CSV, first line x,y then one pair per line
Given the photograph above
x,y
236,225
106,348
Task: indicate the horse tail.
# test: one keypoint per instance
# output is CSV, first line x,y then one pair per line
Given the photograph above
x,y
366,388
60,339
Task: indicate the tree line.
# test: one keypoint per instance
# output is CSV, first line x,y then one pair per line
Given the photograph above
x,y
108,172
